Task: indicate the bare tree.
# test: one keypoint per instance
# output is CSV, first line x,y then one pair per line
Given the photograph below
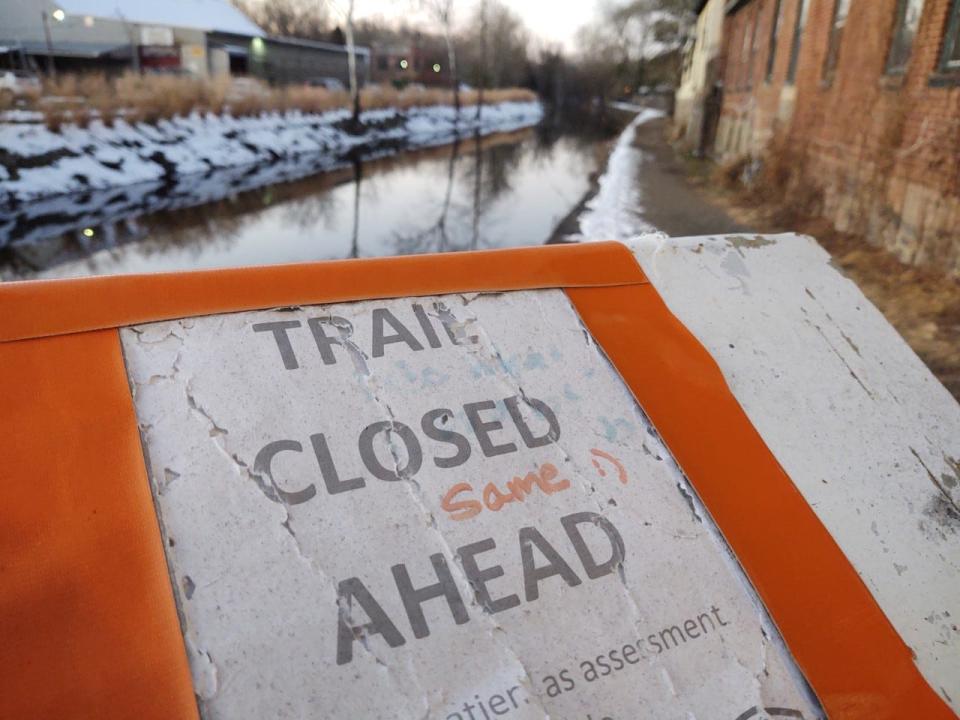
x,y
442,11
493,47
508,41
345,9
352,65
482,75
436,237
288,18
650,30
355,235
477,176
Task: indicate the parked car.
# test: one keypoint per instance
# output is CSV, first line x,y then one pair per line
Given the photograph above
x,y
330,83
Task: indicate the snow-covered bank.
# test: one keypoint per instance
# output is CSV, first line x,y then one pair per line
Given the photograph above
x,y
616,211
37,163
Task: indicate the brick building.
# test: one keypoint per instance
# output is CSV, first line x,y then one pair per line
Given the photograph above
x,y
697,100
423,61
863,99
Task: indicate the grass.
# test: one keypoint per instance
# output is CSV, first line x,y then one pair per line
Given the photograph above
x,y
79,99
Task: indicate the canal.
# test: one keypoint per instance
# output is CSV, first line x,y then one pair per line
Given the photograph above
x,y
501,190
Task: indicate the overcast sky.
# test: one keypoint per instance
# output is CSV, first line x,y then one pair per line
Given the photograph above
x,y
554,21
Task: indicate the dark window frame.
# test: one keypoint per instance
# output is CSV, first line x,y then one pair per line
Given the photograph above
x,y
947,73
835,41
951,40
772,45
800,24
899,23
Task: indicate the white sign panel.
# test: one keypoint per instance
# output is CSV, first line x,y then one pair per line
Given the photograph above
x,y
156,35
441,508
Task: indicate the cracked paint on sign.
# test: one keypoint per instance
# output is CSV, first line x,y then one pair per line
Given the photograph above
x,y
442,507
861,426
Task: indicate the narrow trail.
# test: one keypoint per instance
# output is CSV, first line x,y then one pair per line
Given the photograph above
x,y
644,189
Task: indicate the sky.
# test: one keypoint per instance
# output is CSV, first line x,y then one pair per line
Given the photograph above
x,y
552,21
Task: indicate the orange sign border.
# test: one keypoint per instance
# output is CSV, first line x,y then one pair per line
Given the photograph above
x,y
87,615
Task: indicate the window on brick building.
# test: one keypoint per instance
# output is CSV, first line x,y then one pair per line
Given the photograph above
x,y
798,27
774,32
841,9
950,60
904,31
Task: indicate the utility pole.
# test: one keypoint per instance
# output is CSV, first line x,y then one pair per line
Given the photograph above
x,y
51,68
352,68
482,77
134,47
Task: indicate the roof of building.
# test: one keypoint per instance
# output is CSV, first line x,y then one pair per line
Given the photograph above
x,y
317,44
209,15
71,49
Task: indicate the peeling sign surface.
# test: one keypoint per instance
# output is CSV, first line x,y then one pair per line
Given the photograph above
x,y
437,508
864,430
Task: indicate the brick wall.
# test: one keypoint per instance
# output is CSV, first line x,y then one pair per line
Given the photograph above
x,y
882,150
757,104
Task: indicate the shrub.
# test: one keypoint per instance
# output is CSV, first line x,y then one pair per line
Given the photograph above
x,y
152,98
729,174
53,116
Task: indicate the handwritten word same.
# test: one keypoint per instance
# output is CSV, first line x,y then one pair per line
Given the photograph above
x,y
495,499
518,489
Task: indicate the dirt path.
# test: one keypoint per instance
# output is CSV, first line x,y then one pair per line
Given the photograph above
x,y
669,198
682,196
671,201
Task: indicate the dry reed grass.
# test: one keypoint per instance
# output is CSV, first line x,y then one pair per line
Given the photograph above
x,y
80,99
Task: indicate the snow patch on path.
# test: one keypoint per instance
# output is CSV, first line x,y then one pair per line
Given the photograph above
x,y
616,211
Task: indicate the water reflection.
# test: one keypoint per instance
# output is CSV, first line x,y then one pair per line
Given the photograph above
x,y
480,192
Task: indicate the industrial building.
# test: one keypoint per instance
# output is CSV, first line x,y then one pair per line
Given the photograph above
x,y
195,37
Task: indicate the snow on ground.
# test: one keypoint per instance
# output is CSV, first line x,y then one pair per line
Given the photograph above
x,y
37,163
616,211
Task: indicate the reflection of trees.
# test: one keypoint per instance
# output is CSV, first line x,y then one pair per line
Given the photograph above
x,y
355,236
477,177
501,161
477,174
31,258
486,177
311,211
435,237
17,262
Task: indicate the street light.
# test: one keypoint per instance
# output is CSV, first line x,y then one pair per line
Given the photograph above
x,y
59,15
404,64
436,67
